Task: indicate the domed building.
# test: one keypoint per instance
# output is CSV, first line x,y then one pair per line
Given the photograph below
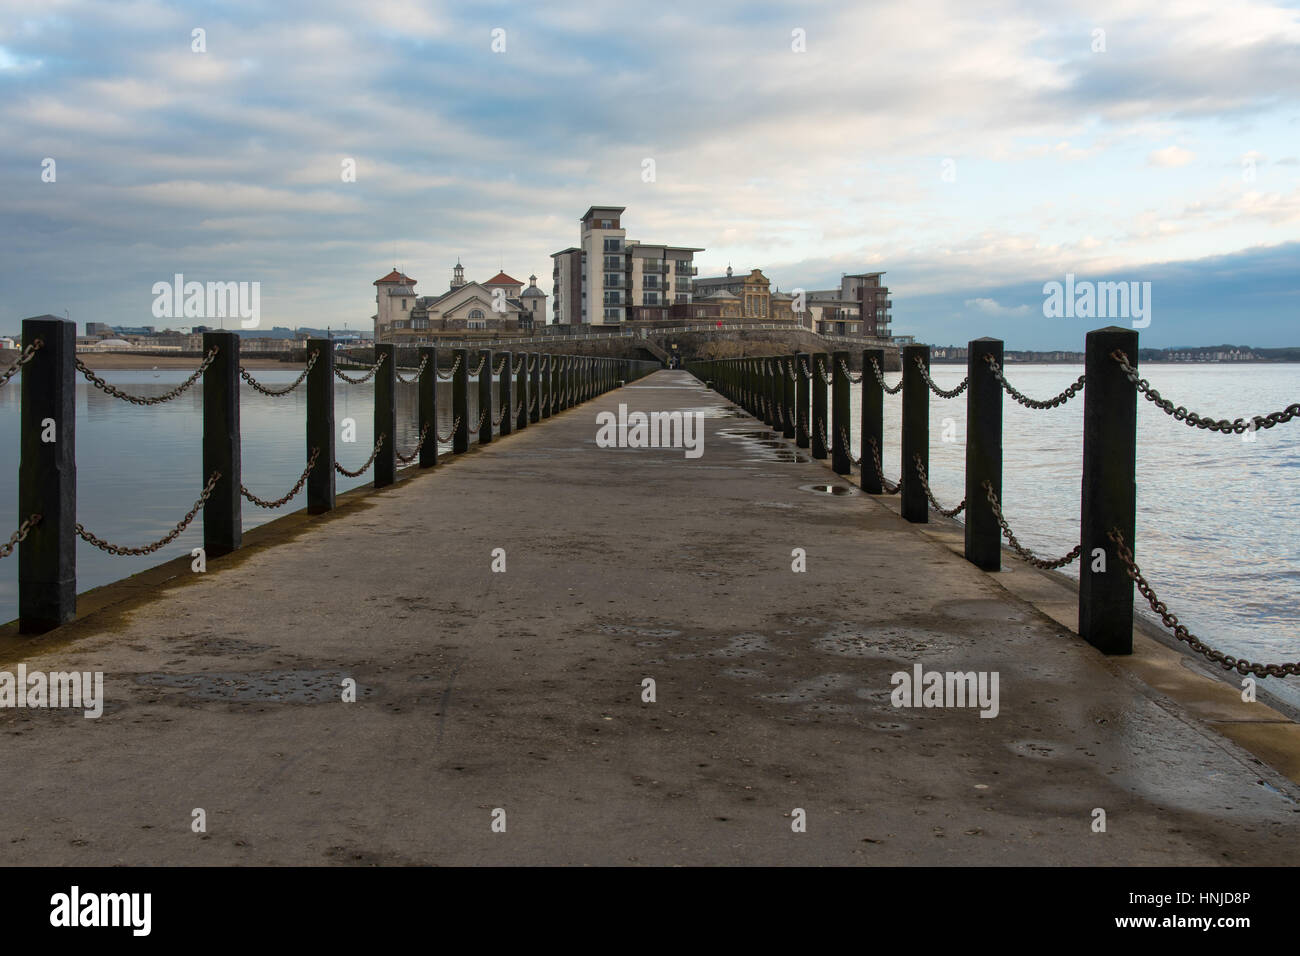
x,y
501,305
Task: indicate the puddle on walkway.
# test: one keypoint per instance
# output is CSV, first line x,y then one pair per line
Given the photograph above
x,y
844,491
764,444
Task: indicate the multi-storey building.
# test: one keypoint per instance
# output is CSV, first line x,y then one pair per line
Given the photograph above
x,y
501,304
860,306
757,300
608,279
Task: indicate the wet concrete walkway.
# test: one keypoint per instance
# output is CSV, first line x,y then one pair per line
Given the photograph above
x,y
523,691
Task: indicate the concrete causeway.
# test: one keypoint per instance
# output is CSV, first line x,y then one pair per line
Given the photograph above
x,y
523,690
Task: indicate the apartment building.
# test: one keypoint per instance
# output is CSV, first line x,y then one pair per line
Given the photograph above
x,y
608,279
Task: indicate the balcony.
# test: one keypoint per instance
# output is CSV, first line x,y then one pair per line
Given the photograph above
x,y
613,281
654,267
686,269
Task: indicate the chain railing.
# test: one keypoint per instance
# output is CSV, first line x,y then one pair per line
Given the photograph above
x,y
1193,420
1017,547
162,542
19,535
451,434
1025,400
415,452
500,368
500,416
167,396
451,374
925,485
930,383
821,371
1180,631
848,449
880,377
364,378
369,461
278,392
473,373
853,379
414,379
263,503
28,353
478,427
891,487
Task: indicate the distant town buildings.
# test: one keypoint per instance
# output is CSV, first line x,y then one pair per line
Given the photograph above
x,y
499,305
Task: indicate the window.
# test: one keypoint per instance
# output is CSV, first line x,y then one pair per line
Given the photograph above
x,y
606,224
403,305
613,245
612,314
476,313
613,298
651,298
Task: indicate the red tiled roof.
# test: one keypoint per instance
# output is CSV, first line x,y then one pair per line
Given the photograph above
x,y
502,279
396,276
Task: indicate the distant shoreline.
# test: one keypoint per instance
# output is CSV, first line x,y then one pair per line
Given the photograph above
x,y
118,360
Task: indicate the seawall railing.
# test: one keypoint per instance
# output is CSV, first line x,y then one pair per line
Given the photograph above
x,y
530,387
789,393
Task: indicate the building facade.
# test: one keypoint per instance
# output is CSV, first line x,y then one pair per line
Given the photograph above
x,y
501,305
608,279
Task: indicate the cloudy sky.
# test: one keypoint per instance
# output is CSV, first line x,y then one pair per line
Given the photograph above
x,y
972,150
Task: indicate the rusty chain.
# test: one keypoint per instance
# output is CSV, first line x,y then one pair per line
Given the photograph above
x,y
500,416
500,368
925,484
262,503
891,488
28,352
941,392
518,365
479,426
844,367
150,548
1181,414
277,392
419,372
103,386
452,373
848,449
19,535
473,373
791,369
1016,546
1025,400
364,378
880,377
408,459
369,461
821,371
532,403
1180,631
451,434
807,372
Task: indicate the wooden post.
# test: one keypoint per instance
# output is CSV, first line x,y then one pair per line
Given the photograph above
x,y
873,421
841,463
521,385
506,393
535,387
983,454
916,433
1109,491
787,395
47,477
320,427
802,360
223,528
460,402
819,362
429,406
485,396
386,415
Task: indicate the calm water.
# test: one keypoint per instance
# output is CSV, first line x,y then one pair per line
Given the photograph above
x,y
139,469
1218,527
1218,530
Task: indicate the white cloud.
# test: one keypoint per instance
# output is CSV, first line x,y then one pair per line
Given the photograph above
x,y
1170,156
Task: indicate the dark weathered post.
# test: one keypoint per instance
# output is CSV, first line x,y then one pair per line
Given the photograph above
x,y
841,463
428,389
983,454
1109,491
460,402
320,426
819,362
916,433
223,527
507,393
548,387
521,386
873,421
802,360
485,396
777,392
787,395
386,414
47,477
535,387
